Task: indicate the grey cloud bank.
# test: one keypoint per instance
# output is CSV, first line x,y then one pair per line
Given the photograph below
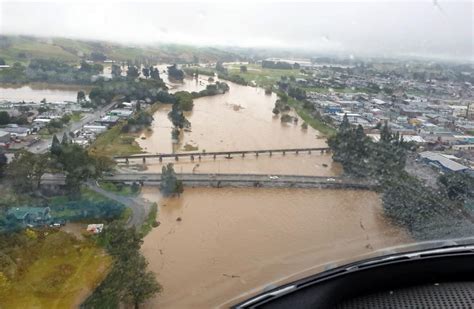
x,y
443,29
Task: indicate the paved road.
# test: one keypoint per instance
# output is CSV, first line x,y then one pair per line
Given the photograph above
x,y
139,206
43,145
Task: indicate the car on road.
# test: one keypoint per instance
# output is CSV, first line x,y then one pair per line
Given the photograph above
x,y
331,179
273,177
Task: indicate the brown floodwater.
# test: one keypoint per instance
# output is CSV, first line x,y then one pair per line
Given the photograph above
x,y
35,92
232,241
241,119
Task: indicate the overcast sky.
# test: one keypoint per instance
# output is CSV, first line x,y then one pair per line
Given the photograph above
x,y
423,27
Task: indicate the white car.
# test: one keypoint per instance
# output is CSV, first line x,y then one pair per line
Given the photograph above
x,y
331,179
273,177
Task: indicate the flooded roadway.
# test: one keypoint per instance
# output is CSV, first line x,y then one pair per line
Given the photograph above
x,y
213,245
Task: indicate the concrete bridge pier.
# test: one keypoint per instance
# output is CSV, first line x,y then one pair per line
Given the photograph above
x,y
192,158
160,158
144,160
270,153
199,157
243,154
296,151
228,155
176,158
126,160
284,153
309,151
256,153
214,157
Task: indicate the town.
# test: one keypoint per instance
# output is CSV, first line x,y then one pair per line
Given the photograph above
x,y
214,155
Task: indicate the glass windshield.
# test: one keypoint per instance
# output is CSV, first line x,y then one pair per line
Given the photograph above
x,y
189,155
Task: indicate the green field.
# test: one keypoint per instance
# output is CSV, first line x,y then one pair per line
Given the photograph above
x,y
262,76
114,143
56,270
315,123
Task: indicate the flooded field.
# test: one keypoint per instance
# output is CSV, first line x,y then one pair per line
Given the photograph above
x,y
36,92
216,244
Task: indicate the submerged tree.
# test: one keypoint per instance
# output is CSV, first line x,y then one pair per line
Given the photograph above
x,y
170,184
175,73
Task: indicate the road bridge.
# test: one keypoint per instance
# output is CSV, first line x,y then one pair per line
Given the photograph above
x,y
248,180
214,154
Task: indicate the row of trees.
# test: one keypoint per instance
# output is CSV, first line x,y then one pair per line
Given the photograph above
x,y
279,65
129,281
26,169
142,119
405,198
51,71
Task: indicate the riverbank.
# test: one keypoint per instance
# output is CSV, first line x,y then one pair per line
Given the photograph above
x,y
314,122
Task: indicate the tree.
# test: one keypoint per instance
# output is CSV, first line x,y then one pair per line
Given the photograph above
x,y
77,165
146,72
141,284
220,68
97,56
243,69
185,100
81,96
55,146
65,139
132,72
128,281
26,170
177,117
154,73
4,118
116,71
175,73
3,163
457,186
170,185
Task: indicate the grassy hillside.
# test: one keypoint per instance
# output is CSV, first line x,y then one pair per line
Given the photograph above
x,y
22,48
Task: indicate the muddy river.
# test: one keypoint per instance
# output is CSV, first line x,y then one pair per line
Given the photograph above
x,y
231,241
216,245
241,119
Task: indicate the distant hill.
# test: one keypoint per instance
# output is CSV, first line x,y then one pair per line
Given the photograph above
x,y
23,48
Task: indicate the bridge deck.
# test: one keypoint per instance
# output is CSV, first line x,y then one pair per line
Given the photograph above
x,y
221,153
235,180
254,180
